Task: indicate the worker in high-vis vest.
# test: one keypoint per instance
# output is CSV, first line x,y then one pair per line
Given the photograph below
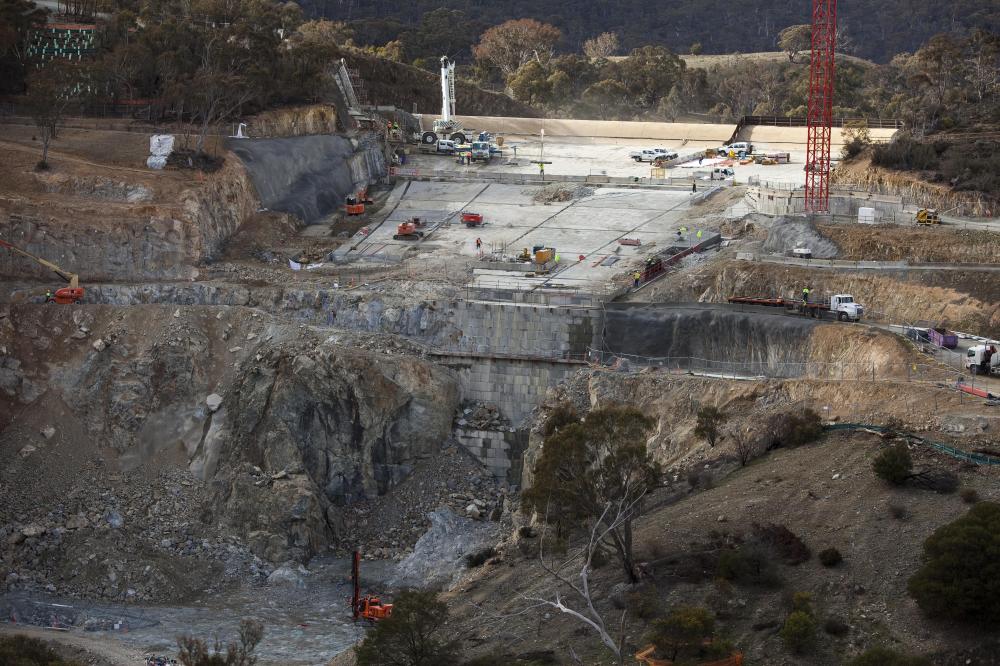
x,y
805,294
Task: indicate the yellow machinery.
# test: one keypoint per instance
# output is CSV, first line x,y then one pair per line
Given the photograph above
x,y
928,216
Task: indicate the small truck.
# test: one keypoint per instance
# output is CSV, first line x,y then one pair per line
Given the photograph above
x,y
841,306
652,155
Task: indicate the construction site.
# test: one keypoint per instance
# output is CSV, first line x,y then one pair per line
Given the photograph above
x,y
217,388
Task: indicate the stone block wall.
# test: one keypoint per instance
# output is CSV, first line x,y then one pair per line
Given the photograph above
x,y
501,451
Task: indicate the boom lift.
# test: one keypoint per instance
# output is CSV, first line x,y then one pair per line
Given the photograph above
x,y
446,127
368,607
73,294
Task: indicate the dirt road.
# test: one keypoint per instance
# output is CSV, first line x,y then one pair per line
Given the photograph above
x,y
98,651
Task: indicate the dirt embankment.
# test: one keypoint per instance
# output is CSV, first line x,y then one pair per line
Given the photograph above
x,y
825,493
969,302
293,121
105,221
895,243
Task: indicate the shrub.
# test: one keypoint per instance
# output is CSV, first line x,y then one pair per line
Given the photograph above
x,y
710,420
969,495
830,557
645,603
958,577
750,564
193,651
687,633
698,478
802,601
781,540
480,557
881,656
414,634
20,650
836,627
898,511
792,429
799,632
894,464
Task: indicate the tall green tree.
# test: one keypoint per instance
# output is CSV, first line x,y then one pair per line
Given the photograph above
x,y
598,470
414,635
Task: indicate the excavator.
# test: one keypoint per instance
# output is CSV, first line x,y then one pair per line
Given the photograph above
x,y
73,294
412,229
368,607
355,203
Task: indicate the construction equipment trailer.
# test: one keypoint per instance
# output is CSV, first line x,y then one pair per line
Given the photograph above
x,y
73,294
841,306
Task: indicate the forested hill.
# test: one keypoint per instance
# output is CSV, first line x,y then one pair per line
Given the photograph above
x,y
878,29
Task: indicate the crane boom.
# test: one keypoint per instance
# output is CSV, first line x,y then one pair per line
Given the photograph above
x,y
72,278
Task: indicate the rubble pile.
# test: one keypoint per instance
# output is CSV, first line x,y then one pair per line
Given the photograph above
x,y
388,527
481,416
103,538
558,192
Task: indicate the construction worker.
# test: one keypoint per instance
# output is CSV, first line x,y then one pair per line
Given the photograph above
x,y
479,246
694,186
699,235
48,295
805,294
636,278
683,231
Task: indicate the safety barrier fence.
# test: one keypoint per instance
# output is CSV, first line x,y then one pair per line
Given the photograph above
x,y
965,456
513,178
802,121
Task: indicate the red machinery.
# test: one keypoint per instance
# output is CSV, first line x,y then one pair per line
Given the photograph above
x,y
368,607
73,294
472,219
354,204
822,68
409,230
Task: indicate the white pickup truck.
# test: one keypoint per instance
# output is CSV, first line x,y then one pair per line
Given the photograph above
x,y
652,154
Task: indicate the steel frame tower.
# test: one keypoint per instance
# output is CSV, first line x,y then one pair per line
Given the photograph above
x,y
822,68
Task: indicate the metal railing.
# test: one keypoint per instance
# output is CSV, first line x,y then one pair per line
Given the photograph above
x,y
802,121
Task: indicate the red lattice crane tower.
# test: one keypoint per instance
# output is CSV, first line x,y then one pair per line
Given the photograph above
x,y
822,68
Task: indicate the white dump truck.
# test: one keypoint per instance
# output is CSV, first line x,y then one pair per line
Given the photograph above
x,y
983,360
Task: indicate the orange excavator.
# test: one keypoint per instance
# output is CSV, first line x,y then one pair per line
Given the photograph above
x,y
368,607
355,203
410,230
73,294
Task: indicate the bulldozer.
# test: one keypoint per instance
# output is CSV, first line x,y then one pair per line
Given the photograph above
x,y
73,294
409,230
928,216
368,607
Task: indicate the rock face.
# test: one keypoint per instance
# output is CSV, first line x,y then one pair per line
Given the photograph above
x,y
439,555
147,234
308,433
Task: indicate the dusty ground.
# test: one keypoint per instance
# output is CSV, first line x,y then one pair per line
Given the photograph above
x,y
80,647
894,243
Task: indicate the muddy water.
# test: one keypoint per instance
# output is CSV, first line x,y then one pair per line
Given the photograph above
x,y
302,626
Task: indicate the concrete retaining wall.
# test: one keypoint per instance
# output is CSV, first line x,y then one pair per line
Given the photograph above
x,y
791,202
501,451
515,386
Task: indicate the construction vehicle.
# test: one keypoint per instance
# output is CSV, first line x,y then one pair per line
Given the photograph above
x,y
481,151
928,216
368,607
73,294
842,306
472,219
412,229
447,127
355,204
983,360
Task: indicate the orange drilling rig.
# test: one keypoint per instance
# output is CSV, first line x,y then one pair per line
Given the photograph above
x,y
73,294
368,607
355,203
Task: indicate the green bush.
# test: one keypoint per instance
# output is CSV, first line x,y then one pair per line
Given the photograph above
x,y
793,429
882,656
414,634
20,650
959,578
645,603
894,464
783,542
561,415
687,633
830,557
750,564
799,632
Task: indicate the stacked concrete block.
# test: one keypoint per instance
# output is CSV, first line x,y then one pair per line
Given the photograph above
x,y
500,451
